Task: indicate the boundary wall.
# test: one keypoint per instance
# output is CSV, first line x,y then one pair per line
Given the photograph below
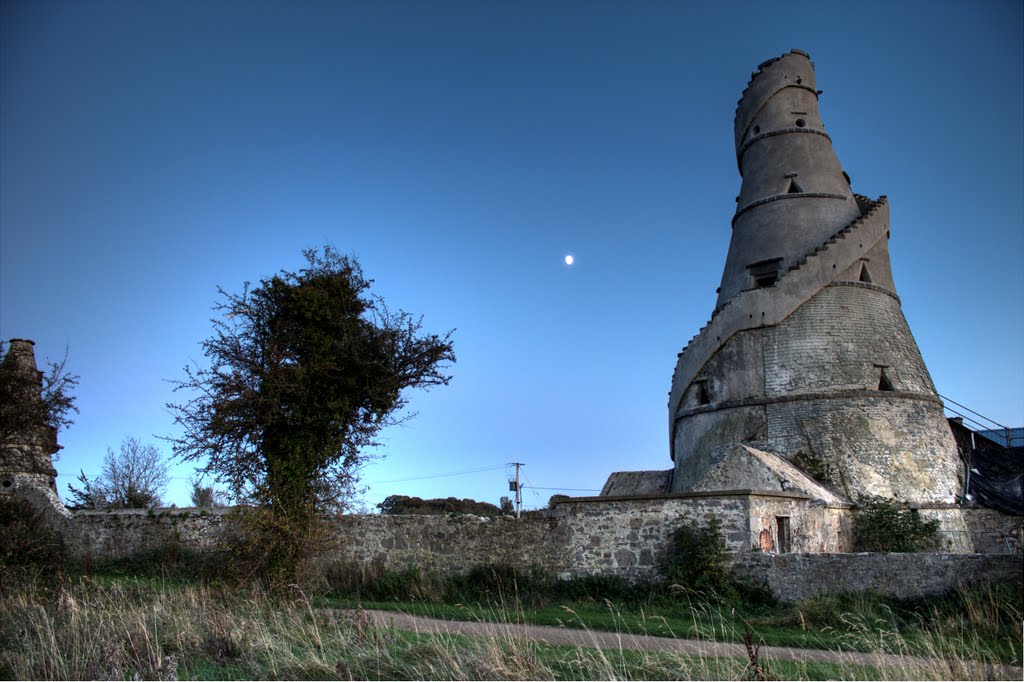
x,y
583,536
793,577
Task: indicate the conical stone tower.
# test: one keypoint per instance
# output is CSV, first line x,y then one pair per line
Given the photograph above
x,y
807,353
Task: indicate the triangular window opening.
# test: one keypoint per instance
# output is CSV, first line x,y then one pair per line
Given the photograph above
x,y
793,188
865,274
702,394
883,382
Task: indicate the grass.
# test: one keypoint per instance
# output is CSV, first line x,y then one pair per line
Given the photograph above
x,y
85,629
981,624
114,626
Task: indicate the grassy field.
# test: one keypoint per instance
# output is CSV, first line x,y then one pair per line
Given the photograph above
x,y
114,626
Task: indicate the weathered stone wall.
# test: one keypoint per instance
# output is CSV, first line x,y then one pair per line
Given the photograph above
x,y
792,577
119,533
814,526
590,536
830,353
607,536
809,387
994,532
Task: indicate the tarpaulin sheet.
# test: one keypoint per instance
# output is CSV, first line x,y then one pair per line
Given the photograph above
x,y
998,478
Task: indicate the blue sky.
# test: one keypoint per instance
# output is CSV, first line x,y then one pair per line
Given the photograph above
x,y
153,151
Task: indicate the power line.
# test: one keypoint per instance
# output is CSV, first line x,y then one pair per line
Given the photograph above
x,y
450,473
585,490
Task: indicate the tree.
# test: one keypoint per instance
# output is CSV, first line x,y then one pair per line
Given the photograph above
x,y
506,506
34,405
206,495
133,478
304,370
403,504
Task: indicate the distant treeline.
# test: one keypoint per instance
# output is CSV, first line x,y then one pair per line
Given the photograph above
x,y
403,504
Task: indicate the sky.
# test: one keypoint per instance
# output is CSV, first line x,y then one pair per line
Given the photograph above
x,y
151,152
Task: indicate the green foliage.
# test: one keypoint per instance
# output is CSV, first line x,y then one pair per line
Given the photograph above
x,y
816,466
403,504
486,584
206,496
169,561
29,538
879,525
271,546
304,370
696,559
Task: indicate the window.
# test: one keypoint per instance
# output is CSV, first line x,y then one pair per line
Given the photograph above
x,y
784,543
765,273
703,397
884,383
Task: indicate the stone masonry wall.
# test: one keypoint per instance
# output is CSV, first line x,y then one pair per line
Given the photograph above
x,y
993,532
811,387
597,536
613,536
792,577
119,533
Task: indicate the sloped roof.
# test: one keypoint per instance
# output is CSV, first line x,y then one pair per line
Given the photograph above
x,y
638,483
745,467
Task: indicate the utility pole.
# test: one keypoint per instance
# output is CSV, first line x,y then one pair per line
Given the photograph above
x,y
519,489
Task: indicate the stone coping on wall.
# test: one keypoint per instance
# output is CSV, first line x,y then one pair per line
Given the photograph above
x,y
157,511
742,492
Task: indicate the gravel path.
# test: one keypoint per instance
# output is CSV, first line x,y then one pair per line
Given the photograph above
x,y
688,647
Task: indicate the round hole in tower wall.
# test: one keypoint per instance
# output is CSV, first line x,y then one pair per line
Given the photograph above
x,y
800,123
8,483
757,129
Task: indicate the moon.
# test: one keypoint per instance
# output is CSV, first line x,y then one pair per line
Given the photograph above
x,y
569,260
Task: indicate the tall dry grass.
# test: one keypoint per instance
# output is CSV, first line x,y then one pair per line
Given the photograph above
x,y
79,628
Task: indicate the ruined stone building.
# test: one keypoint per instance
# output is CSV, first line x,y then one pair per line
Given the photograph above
x,y
807,378
27,445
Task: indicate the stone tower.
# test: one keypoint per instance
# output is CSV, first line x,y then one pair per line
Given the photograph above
x,y
807,353
26,447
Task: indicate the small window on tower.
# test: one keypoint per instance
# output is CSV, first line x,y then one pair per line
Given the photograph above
x,y
794,187
884,383
865,274
765,273
703,397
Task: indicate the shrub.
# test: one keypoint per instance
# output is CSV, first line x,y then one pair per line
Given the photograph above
x,y
498,583
602,587
168,561
696,559
276,549
29,538
880,526
408,584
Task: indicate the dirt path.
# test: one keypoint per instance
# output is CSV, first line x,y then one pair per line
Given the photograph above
x,y
688,647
